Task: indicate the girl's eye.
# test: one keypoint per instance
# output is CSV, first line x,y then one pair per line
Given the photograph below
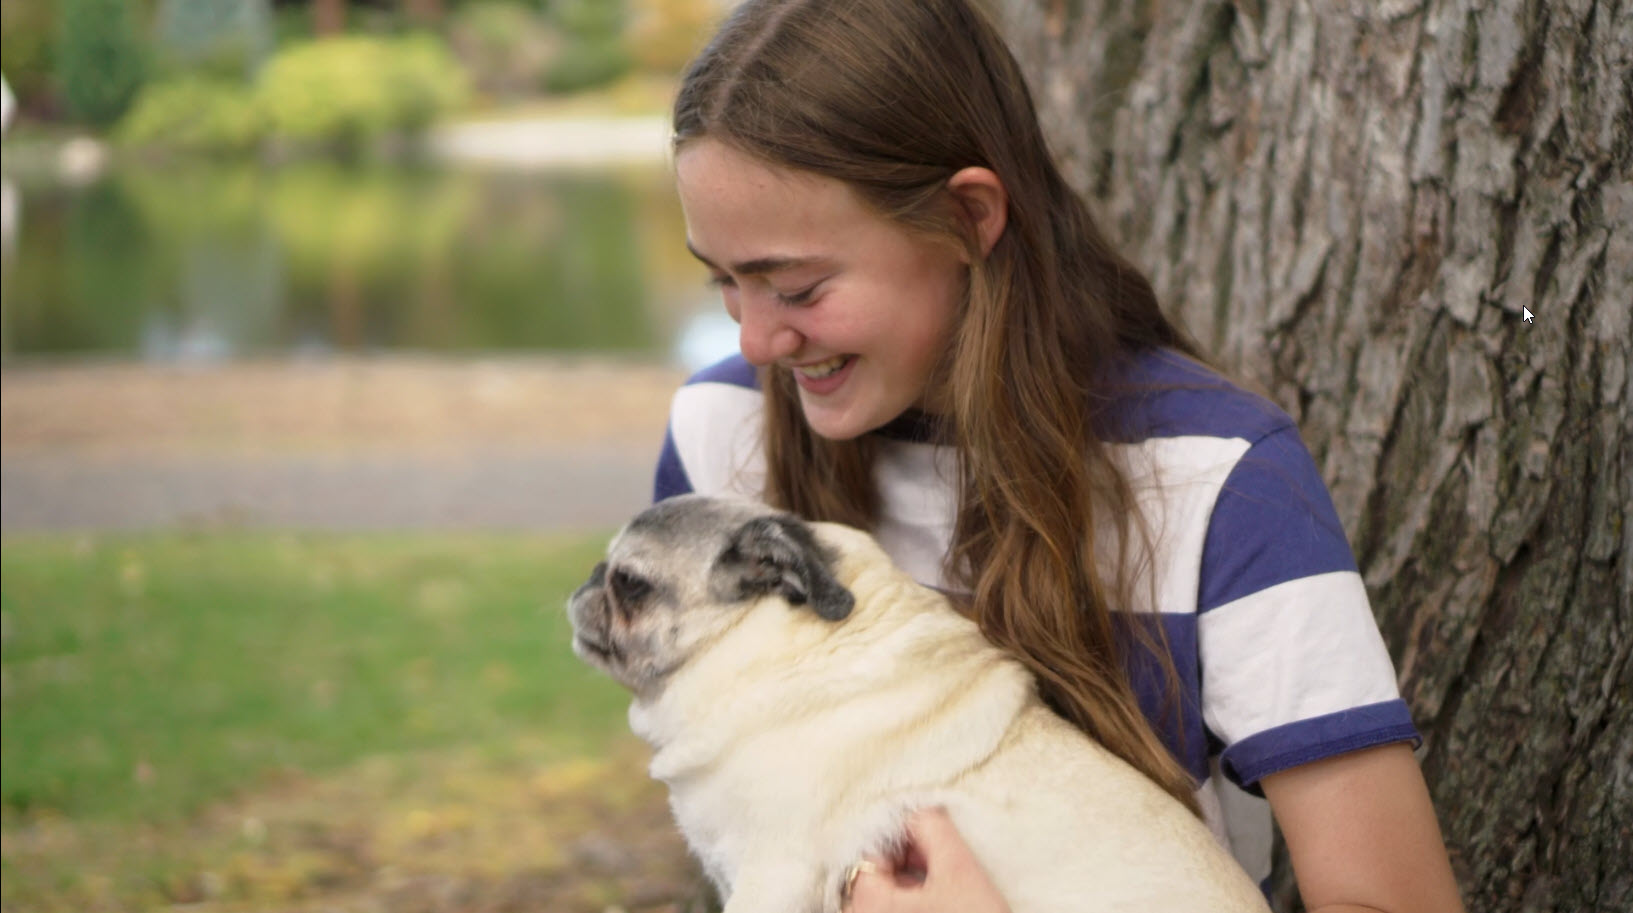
x,y
721,281
796,298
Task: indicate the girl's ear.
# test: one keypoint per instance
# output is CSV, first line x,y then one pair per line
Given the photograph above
x,y
984,202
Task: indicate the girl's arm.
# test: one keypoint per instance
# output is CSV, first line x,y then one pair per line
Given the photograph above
x,y
1362,834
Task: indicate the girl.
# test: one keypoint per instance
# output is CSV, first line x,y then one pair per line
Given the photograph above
x,y
938,345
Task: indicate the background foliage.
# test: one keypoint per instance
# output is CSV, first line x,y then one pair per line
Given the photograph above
x,y
352,89
230,37
101,58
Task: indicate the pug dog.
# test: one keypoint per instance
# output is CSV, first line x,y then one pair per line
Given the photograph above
x,y
803,697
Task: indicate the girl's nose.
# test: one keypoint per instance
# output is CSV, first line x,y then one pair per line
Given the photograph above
x,y
763,336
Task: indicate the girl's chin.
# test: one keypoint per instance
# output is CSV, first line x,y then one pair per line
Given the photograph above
x,y
843,424
836,431
832,424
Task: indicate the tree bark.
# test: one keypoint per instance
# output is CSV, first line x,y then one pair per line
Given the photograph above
x,y
1354,205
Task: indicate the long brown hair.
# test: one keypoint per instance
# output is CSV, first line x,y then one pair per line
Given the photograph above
x,y
893,98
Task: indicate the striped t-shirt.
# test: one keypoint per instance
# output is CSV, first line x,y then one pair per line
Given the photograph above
x,y
1279,659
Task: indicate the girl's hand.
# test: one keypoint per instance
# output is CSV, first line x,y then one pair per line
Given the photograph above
x,y
936,873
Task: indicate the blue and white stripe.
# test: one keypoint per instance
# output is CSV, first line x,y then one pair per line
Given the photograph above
x,y
1268,624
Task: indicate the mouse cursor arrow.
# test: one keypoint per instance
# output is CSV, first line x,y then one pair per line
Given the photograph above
x,y
1525,313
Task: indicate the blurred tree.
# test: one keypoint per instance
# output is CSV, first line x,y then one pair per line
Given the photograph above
x,y
589,19
100,58
232,37
665,34
423,12
193,115
346,91
25,47
594,52
328,16
505,45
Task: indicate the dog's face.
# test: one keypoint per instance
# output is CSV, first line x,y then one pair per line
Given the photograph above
x,y
683,572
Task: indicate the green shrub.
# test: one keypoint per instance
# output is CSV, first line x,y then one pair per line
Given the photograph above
x,y
593,52
336,92
100,58
587,64
326,91
589,19
346,90
193,115
425,81
496,26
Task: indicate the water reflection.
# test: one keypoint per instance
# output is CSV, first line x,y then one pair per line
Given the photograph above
x,y
219,263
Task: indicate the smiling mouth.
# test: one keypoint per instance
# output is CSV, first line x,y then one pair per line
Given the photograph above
x,y
823,369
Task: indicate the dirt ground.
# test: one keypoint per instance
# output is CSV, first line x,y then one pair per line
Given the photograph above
x,y
358,443
335,404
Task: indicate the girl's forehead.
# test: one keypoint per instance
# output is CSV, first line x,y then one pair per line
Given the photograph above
x,y
712,162
735,200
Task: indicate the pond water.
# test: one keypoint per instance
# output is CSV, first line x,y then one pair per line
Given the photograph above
x,y
217,263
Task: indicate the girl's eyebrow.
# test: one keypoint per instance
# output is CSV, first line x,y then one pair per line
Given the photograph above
x,y
760,265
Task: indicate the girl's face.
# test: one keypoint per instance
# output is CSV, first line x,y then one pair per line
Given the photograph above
x,y
857,307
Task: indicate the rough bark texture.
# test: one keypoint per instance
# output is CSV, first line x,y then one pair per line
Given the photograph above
x,y
1351,204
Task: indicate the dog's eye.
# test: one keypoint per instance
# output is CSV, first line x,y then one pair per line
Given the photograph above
x,y
627,588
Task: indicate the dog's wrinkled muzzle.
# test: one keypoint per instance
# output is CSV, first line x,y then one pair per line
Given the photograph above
x,y
590,612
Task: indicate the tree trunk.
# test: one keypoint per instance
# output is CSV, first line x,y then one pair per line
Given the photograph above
x,y
328,17
423,12
1355,205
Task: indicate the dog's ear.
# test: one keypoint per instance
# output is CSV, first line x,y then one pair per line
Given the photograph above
x,y
780,555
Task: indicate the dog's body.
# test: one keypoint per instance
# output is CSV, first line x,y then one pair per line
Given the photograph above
x,y
803,697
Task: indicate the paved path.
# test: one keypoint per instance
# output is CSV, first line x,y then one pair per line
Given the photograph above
x,y
595,142
346,445
586,488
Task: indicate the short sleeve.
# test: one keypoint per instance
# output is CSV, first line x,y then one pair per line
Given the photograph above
x,y
670,479
712,444
1293,666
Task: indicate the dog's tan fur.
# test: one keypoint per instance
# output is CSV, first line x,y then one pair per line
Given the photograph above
x,y
793,745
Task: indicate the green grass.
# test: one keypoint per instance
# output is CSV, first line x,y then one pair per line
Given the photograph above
x,y
146,676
